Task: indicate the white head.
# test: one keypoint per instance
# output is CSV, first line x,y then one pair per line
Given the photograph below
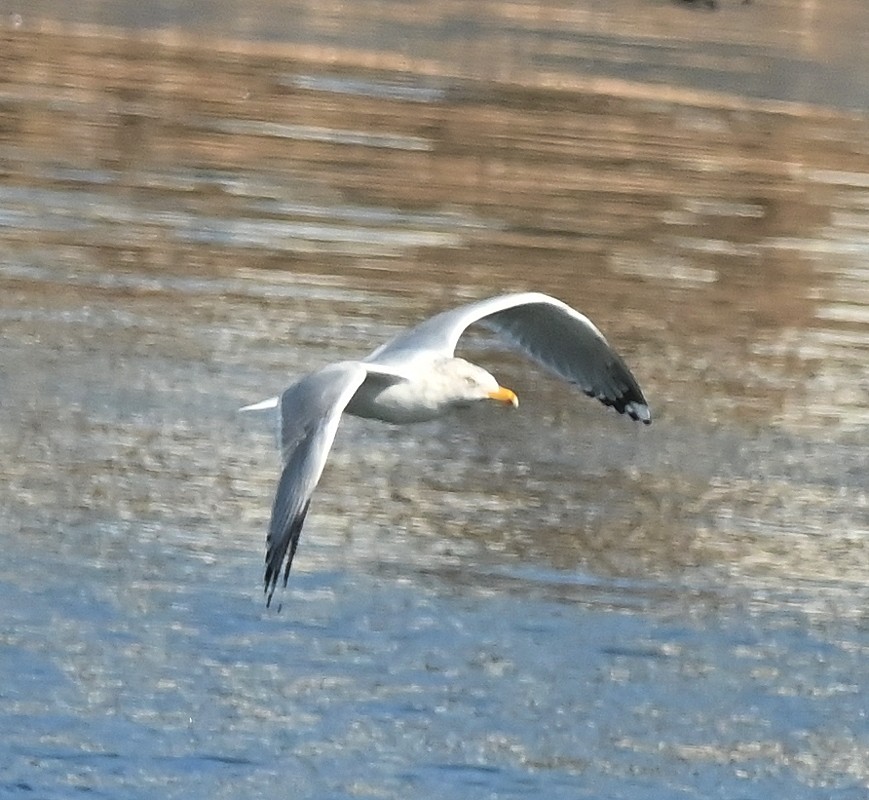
x,y
463,383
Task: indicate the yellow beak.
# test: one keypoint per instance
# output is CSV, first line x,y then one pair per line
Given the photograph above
x,y
506,396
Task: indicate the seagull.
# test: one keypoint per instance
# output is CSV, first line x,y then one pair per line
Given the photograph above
x,y
416,377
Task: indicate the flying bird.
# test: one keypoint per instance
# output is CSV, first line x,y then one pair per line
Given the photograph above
x,y
416,377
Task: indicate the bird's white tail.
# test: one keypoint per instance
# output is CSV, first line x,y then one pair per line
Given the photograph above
x,y
272,402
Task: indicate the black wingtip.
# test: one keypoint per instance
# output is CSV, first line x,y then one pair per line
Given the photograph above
x,y
639,411
275,555
632,404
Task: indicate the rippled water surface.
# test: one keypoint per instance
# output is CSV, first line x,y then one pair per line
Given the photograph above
x,y
199,201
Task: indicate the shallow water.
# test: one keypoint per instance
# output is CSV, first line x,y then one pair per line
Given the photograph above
x,y
547,603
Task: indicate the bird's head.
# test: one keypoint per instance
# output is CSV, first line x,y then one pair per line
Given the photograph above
x,y
466,383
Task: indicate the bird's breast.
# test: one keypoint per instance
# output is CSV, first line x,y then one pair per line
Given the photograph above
x,y
400,403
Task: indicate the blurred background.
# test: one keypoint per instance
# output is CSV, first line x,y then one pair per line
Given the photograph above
x,y
200,200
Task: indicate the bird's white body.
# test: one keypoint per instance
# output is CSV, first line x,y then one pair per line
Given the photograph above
x,y
415,377
424,395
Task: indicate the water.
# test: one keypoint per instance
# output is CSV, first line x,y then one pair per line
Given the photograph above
x,y
547,603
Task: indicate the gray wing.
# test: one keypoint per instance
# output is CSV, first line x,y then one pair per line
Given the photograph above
x,y
310,411
551,332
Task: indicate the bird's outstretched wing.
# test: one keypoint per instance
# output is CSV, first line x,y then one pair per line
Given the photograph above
x,y
310,411
551,332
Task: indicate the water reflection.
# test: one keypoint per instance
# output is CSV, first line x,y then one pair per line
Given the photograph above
x,y
574,607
